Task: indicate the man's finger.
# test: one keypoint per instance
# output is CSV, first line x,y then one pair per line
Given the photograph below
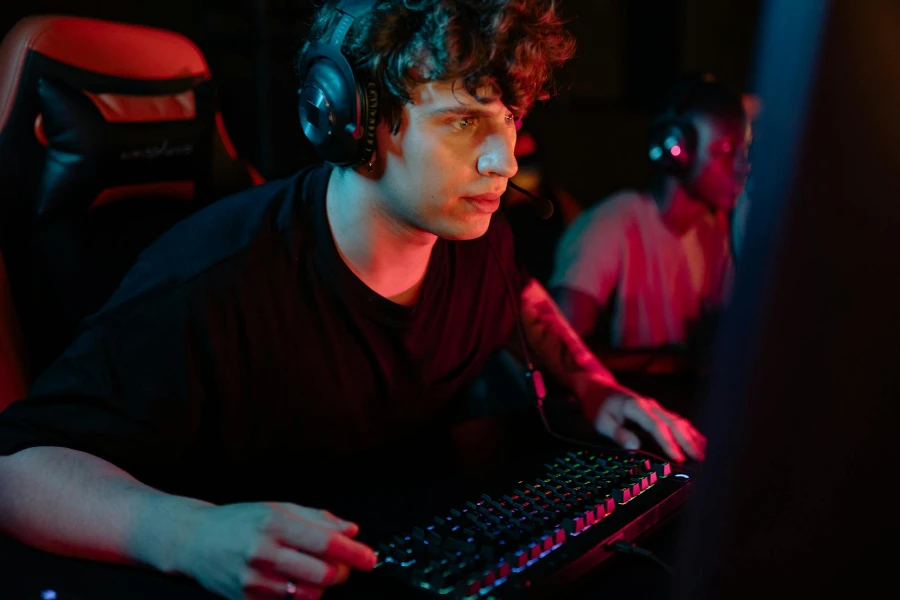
x,y
269,585
687,441
681,430
302,591
299,567
343,572
327,543
627,438
691,440
640,410
700,440
322,517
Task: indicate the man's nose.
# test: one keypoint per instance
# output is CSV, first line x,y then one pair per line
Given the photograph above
x,y
498,156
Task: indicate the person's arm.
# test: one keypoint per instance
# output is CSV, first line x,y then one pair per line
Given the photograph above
x,y
72,503
580,309
586,270
608,405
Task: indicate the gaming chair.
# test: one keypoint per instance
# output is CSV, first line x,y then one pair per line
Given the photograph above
x,y
109,134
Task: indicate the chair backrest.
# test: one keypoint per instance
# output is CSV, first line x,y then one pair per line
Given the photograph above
x,y
12,360
109,134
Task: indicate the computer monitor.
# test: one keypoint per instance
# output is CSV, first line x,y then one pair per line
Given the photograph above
x,y
803,406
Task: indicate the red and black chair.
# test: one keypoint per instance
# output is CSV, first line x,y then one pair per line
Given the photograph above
x,y
109,134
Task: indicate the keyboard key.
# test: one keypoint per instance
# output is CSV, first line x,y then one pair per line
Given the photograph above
x,y
547,542
518,558
468,587
622,495
503,570
573,524
458,545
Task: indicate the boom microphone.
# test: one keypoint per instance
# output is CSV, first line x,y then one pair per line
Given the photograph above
x,y
543,207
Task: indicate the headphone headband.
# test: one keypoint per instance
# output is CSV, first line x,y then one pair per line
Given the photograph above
x,y
356,8
688,91
338,114
673,139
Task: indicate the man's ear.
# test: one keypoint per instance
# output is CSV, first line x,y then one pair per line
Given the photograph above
x,y
371,168
388,143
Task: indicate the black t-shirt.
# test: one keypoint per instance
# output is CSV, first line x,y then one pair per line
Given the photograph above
x,y
241,343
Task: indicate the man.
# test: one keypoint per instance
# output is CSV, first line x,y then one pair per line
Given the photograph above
x,y
310,318
651,268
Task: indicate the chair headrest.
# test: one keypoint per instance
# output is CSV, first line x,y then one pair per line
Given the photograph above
x,y
93,111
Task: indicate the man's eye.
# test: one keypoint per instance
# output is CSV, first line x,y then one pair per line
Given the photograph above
x,y
465,123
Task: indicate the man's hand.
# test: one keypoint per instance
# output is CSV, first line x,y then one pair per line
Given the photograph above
x,y
608,406
606,403
253,550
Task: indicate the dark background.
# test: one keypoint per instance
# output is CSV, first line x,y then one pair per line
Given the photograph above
x,y
591,134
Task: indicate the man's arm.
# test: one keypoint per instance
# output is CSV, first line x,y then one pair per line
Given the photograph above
x,y
565,356
580,310
75,504
72,503
558,346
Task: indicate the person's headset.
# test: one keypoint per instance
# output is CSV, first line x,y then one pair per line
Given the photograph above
x,y
672,137
338,111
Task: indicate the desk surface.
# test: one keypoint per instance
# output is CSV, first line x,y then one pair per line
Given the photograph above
x,y
438,470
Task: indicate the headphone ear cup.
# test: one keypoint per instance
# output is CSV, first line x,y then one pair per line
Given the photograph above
x,y
327,107
671,144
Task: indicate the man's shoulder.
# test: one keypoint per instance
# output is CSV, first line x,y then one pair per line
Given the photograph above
x,y
619,206
223,229
259,219
608,218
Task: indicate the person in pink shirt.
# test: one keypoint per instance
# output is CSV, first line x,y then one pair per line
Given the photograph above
x,y
651,268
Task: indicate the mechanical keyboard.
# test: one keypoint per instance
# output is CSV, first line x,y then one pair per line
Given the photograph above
x,y
557,521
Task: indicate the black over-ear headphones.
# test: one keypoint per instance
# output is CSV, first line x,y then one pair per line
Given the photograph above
x,y
338,113
672,138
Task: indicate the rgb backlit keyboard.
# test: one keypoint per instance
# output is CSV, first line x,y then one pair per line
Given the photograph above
x,y
476,548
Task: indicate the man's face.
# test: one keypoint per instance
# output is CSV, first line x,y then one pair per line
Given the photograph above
x,y
447,166
721,167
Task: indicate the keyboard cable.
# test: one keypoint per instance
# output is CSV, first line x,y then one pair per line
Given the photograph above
x,y
632,549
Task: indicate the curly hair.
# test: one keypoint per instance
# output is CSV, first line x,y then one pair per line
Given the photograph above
x,y
508,46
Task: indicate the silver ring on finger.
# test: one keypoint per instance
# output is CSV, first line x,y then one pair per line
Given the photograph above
x,y
290,591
